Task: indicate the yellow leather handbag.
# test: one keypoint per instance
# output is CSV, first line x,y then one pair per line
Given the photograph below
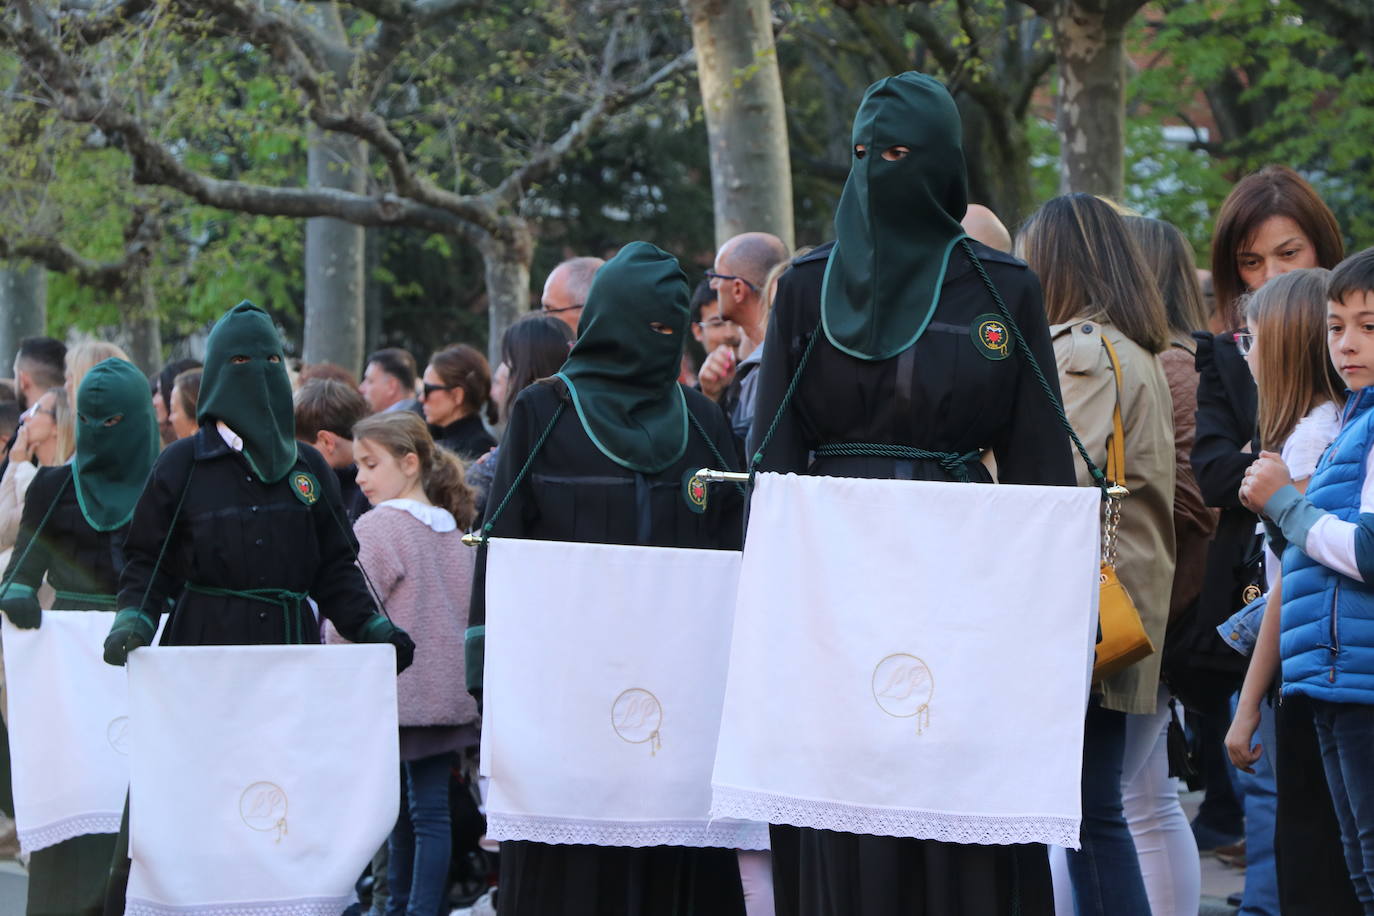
x,y
1123,638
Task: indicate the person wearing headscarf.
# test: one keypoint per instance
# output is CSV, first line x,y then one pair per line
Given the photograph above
x,y
613,442
240,524
74,518
910,371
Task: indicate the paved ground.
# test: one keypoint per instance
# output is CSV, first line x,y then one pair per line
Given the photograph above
x,y
14,886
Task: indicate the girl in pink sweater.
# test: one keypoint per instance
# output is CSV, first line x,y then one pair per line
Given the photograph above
x,y
410,546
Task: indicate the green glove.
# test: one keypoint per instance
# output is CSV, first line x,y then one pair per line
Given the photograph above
x,y
132,628
21,607
381,629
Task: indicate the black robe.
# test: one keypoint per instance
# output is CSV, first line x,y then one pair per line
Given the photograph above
x,y
467,438
573,492
69,877
941,394
235,532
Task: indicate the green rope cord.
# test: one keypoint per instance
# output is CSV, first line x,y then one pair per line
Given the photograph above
x,y
24,554
1058,405
720,459
288,601
167,539
520,477
91,600
953,463
786,400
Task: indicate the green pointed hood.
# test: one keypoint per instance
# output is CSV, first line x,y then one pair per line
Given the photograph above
x,y
897,222
621,372
116,443
245,385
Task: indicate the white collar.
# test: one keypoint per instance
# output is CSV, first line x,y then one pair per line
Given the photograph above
x,y
437,519
230,437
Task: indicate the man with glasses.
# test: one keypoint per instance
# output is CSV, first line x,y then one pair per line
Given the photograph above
x,y
565,291
719,337
738,276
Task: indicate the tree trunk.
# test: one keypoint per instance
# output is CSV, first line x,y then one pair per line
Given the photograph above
x,y
746,124
372,292
507,270
335,251
999,164
1091,107
139,315
23,308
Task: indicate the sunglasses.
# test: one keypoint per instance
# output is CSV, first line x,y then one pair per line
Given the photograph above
x,y
430,389
567,308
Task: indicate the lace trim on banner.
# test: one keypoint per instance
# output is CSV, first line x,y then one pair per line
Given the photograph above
x,y
307,906
32,840
723,833
977,830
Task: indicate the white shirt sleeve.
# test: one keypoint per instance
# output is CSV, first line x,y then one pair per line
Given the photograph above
x,y
1331,541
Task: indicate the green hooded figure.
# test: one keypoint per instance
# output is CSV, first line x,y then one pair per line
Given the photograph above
x,y
116,443
898,218
623,370
245,386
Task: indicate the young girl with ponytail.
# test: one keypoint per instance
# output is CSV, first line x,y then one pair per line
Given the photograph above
x,y
410,547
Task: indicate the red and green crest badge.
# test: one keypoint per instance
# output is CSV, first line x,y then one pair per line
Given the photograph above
x,y
991,336
306,487
694,492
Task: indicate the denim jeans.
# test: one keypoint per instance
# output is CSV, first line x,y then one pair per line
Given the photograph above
x,y
1261,799
420,845
1106,871
1345,732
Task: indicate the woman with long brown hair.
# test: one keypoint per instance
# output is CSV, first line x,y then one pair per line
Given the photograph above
x,y
1271,223
1105,311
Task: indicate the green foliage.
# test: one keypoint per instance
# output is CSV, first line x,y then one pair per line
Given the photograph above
x,y
1284,84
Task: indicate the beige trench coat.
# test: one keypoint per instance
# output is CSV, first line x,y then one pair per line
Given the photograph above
x,y
1146,537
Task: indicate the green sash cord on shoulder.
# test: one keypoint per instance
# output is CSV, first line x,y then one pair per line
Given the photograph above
x,y
520,477
87,601
954,464
288,601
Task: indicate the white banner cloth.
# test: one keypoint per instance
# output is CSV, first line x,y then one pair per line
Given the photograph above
x,y
912,659
264,778
68,716
604,677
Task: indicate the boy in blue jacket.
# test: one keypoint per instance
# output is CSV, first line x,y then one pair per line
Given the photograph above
x,y
1326,640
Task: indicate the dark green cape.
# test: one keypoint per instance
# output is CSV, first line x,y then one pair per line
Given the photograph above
x,y
253,396
621,372
116,443
897,222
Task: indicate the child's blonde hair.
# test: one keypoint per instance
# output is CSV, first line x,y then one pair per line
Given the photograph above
x,y
1294,372
403,433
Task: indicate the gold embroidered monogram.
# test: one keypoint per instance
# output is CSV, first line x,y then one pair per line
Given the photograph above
x,y
637,717
903,687
263,808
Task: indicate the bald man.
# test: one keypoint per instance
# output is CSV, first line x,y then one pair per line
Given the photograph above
x,y
741,269
565,291
982,224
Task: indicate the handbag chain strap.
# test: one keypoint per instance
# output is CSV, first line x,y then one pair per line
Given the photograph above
x,y
1116,467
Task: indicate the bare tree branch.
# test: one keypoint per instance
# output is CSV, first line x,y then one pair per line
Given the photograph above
x,y
414,11
141,236
607,104
101,20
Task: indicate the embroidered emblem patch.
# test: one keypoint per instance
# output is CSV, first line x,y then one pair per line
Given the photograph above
x,y
991,336
694,492
306,487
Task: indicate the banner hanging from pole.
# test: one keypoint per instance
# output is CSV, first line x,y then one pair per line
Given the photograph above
x,y
912,659
264,778
604,678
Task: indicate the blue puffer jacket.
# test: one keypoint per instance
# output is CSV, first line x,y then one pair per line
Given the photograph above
x,y
1327,632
